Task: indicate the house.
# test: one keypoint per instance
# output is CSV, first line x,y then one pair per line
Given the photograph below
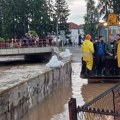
x,y
75,30
81,30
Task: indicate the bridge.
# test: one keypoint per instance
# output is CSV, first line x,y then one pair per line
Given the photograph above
x,y
25,51
30,52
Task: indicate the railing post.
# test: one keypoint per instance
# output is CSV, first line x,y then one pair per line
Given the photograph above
x,y
72,109
117,102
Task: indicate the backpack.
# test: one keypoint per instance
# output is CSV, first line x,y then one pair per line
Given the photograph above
x,y
100,49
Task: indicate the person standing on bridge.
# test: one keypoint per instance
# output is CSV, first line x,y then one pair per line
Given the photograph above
x,y
88,51
50,38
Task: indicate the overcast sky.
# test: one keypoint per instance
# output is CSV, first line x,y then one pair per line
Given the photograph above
x,y
77,11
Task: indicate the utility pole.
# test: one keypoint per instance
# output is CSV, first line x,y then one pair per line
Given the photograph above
x,y
57,29
107,30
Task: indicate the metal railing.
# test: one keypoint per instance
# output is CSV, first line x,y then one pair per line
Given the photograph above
x,y
26,44
104,107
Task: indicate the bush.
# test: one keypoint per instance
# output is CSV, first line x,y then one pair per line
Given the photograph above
x,y
33,33
2,39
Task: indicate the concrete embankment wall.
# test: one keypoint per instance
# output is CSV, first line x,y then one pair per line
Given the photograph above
x,y
18,100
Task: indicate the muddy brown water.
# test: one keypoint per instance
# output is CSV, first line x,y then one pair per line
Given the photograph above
x,y
55,107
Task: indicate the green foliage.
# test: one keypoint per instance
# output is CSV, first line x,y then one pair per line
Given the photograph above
x,y
40,19
61,15
91,19
33,33
107,6
2,39
20,16
61,49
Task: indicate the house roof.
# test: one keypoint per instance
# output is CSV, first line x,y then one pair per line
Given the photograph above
x,y
73,26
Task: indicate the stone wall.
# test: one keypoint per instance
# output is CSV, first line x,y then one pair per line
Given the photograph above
x,y
18,100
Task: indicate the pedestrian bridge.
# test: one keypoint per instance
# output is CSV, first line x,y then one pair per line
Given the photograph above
x,y
24,51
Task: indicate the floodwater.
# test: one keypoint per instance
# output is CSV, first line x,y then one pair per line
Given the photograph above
x,y
55,106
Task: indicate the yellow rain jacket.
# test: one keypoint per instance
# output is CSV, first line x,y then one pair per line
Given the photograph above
x,y
118,53
88,50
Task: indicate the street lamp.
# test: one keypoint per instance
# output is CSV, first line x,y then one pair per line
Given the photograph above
x,y
106,3
105,24
56,26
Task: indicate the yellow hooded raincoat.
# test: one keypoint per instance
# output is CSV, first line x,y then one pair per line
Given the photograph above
x,y
118,53
88,50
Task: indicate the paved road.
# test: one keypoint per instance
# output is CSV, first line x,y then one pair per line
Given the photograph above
x,y
76,51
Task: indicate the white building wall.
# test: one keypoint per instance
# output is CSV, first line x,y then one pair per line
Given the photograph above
x,y
81,32
74,35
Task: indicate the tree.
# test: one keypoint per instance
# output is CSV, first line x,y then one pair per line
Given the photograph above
x,y
91,19
0,20
61,13
107,6
40,19
14,17
19,16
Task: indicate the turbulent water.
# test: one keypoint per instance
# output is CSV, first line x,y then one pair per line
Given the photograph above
x,y
55,107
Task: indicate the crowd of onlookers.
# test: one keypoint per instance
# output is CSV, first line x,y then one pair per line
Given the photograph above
x,y
29,41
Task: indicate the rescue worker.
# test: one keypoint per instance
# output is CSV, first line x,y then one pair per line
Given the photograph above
x,y
111,50
99,54
88,51
118,52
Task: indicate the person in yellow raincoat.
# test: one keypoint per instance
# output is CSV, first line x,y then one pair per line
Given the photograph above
x,y
88,50
118,52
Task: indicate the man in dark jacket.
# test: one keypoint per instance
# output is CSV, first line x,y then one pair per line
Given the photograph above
x,y
99,55
111,51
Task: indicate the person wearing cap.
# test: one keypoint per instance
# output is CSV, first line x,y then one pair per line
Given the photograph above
x,y
99,55
111,50
88,50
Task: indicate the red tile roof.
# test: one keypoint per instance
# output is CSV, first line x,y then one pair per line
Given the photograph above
x,y
73,26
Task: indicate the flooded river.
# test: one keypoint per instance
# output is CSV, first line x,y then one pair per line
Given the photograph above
x,y
55,107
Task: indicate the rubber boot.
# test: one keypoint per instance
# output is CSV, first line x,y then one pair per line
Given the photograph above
x,y
88,72
83,70
118,71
